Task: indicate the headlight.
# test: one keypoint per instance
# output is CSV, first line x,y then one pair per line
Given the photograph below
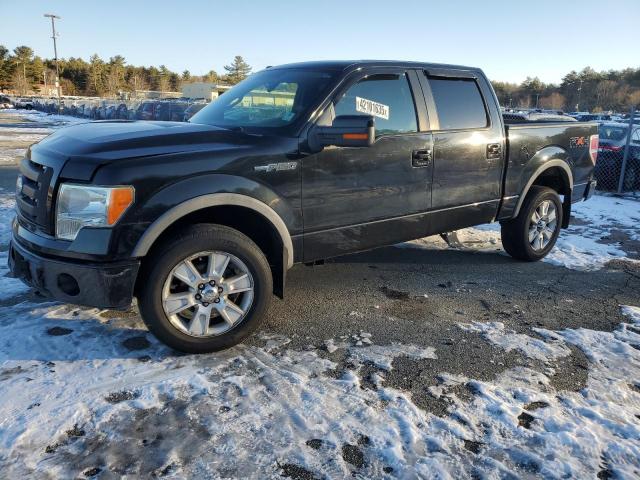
x,y
86,206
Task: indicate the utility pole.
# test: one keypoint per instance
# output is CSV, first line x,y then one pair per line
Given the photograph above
x,y
579,92
55,53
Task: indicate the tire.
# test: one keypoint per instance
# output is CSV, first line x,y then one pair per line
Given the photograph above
x,y
216,330
516,233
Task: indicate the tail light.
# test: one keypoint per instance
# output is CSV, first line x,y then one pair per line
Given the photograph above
x,y
593,147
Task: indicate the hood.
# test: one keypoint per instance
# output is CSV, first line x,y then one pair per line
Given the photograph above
x,y
112,140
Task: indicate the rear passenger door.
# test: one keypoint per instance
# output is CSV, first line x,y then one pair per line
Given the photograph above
x,y
468,150
358,198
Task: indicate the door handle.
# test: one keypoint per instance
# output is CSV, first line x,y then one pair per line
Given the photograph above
x,y
494,150
421,158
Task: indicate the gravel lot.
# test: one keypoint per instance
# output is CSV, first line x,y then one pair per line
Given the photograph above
x,y
413,361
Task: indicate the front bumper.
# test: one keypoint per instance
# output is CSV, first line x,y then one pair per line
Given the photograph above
x,y
102,285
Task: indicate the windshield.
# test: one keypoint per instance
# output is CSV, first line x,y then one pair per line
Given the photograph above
x,y
270,99
612,133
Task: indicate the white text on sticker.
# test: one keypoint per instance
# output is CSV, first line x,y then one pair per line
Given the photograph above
x,y
372,108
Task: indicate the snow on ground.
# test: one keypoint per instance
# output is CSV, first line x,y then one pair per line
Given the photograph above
x,y
535,348
30,127
85,393
583,246
53,119
77,381
9,287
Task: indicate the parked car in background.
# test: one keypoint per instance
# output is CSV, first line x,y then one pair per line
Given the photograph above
x,y
613,138
147,111
25,103
192,110
170,111
593,117
122,112
5,102
111,112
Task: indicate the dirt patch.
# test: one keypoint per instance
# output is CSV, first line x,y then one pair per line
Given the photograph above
x,y
472,446
353,455
119,314
123,396
136,343
59,331
626,243
315,443
525,420
535,406
571,372
296,472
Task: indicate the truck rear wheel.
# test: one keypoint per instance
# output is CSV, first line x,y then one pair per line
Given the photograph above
x,y
533,233
206,289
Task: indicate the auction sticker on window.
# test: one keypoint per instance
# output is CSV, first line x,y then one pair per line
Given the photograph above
x,y
372,108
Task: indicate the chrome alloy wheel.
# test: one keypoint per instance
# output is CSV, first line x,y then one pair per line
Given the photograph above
x,y
542,225
207,294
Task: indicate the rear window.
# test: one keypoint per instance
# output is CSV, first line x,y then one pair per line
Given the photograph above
x,y
612,133
458,102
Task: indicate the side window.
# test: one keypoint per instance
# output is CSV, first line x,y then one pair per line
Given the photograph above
x,y
387,97
458,102
635,138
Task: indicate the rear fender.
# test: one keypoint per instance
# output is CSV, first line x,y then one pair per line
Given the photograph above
x,y
552,157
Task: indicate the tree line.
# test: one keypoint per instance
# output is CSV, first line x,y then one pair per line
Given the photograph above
x,y
21,70
587,90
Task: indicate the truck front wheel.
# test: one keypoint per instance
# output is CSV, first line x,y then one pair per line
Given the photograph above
x,y
205,290
533,233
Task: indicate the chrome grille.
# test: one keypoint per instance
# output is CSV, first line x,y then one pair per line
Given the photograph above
x,y
33,198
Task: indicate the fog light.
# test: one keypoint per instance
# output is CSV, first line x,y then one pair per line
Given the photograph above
x,y
68,284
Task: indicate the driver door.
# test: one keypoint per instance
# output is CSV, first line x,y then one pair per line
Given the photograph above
x,y
358,198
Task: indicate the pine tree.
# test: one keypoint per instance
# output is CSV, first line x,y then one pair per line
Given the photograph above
x,y
237,71
5,68
95,83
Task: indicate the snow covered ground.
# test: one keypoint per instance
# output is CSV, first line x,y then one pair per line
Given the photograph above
x,y
586,245
90,394
27,127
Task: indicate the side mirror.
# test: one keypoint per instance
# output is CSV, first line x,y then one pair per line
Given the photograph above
x,y
346,131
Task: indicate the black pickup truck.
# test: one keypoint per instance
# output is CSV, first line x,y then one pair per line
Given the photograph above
x,y
200,221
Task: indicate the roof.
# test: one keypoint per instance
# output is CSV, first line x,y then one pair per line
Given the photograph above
x,y
341,65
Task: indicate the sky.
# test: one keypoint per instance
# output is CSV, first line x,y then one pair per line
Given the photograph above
x,y
510,40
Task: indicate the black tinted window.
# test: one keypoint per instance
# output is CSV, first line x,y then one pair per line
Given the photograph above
x,y
387,97
458,102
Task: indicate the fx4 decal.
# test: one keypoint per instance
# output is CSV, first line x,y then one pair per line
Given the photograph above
x,y
578,142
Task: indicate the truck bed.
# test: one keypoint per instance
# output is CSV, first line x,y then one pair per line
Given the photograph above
x,y
530,143
535,117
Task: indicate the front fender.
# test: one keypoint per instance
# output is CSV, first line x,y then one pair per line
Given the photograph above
x,y
196,193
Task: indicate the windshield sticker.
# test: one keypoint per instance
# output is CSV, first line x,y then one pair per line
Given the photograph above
x,y
372,108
